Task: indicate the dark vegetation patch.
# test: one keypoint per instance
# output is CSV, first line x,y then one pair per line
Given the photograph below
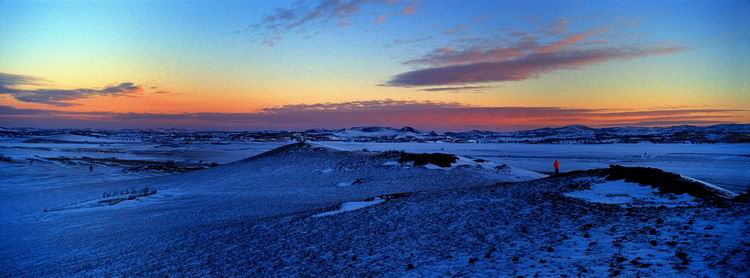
x,y
501,167
167,167
421,159
392,196
113,198
665,182
592,172
742,198
56,141
129,165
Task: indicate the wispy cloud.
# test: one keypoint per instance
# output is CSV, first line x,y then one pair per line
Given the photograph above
x,y
459,29
359,106
11,80
565,42
15,85
410,9
380,19
428,115
304,14
558,28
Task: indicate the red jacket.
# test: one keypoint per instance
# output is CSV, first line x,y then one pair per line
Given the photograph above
x,y
557,164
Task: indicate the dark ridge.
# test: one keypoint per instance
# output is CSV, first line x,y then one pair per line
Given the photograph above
x,y
57,141
421,159
736,138
666,182
742,198
371,129
601,172
392,196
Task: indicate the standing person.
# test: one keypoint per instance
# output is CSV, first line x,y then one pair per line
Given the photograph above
x,y
557,168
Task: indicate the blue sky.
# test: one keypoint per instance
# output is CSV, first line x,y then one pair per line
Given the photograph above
x,y
250,56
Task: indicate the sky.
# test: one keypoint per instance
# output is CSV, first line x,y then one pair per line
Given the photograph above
x,y
436,65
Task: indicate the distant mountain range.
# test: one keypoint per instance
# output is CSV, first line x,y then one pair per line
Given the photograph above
x,y
724,133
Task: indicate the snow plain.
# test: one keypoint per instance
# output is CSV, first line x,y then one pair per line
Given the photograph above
x,y
725,165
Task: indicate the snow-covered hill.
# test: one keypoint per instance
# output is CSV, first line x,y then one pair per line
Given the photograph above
x,y
369,133
291,179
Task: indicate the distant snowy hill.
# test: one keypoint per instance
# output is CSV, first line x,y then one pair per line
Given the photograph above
x,y
369,133
729,133
582,134
572,134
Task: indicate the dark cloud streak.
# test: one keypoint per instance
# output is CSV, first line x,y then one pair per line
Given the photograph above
x,y
529,66
525,56
10,84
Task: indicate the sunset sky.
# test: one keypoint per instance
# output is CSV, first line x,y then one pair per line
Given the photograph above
x,y
444,65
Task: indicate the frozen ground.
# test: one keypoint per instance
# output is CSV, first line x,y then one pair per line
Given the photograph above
x,y
625,193
255,216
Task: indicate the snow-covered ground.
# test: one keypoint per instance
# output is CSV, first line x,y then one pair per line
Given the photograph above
x,y
350,206
293,179
33,164
726,165
194,152
263,216
625,193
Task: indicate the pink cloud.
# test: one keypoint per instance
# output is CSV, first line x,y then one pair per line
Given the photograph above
x,y
12,84
560,27
428,115
567,41
380,19
410,9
